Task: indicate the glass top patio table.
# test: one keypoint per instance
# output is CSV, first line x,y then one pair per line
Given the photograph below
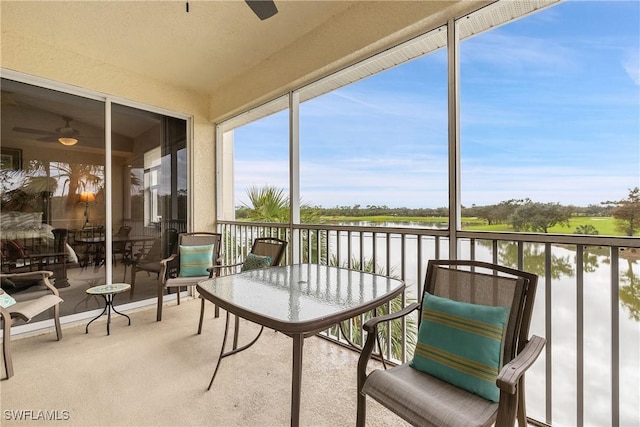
x,y
298,300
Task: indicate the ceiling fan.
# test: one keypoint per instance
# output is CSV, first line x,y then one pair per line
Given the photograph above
x,y
263,8
64,135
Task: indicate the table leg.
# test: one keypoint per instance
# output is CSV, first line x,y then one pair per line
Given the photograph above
x,y
106,304
234,350
224,342
109,304
121,314
296,380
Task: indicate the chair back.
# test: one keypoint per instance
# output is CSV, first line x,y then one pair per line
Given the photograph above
x,y
202,238
171,242
488,284
121,247
123,231
154,253
269,246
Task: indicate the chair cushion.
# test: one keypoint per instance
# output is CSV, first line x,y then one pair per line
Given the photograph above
x,y
194,260
179,282
461,343
253,261
26,310
423,400
5,299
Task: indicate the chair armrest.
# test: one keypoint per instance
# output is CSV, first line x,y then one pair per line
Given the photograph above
x,y
6,319
371,327
215,270
166,261
371,324
511,373
45,274
164,267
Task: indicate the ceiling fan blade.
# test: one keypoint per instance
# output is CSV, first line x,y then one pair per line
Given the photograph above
x,y
34,131
263,8
51,138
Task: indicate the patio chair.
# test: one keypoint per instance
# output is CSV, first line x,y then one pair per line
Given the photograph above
x,y
472,349
197,253
26,309
119,248
149,260
265,252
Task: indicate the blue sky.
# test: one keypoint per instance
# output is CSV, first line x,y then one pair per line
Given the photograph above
x,y
549,111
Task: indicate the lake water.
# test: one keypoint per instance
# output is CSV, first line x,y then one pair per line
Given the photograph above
x,y
560,296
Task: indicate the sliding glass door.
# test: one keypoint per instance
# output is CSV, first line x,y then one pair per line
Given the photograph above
x,y
65,208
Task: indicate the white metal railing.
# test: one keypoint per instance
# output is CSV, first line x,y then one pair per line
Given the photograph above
x,y
587,303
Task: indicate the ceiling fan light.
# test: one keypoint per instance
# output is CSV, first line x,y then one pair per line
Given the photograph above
x,y
67,140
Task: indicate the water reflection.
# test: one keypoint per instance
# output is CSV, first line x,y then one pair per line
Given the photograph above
x,y
589,344
565,265
630,291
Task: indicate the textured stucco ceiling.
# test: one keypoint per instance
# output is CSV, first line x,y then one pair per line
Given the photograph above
x,y
201,49
218,49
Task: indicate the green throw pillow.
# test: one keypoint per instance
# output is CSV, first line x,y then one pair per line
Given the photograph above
x,y
461,343
6,300
253,261
195,260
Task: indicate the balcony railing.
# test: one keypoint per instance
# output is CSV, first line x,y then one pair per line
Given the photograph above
x,y
587,303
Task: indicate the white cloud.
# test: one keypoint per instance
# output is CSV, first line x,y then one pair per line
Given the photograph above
x,y
631,65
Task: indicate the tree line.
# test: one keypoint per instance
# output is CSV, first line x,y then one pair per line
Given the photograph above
x,y
272,205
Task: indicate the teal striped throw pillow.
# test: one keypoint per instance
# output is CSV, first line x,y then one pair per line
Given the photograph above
x,y
194,260
461,343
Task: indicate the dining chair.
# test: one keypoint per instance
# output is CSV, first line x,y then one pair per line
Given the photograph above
x,y
197,253
473,349
25,310
149,259
119,248
265,252
146,260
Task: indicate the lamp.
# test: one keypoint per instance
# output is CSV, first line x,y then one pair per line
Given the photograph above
x,y
67,140
86,197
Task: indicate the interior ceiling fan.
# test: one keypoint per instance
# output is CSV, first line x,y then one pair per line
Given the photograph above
x,y
65,135
263,8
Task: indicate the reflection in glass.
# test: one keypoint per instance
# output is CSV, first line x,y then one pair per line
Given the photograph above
x,y
53,195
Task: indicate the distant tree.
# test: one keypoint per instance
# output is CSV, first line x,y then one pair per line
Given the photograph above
x,y
586,229
539,217
497,214
627,212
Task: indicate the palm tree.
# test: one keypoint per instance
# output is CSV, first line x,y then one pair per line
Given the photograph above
x,y
79,175
268,204
391,336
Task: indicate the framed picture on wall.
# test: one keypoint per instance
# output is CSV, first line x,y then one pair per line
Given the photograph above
x,y
10,159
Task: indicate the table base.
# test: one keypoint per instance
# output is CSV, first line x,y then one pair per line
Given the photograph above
x,y
108,299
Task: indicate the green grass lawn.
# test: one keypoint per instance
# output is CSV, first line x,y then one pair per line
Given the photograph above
x,y
606,226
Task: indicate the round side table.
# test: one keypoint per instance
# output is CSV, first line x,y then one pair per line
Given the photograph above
x,y
108,292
